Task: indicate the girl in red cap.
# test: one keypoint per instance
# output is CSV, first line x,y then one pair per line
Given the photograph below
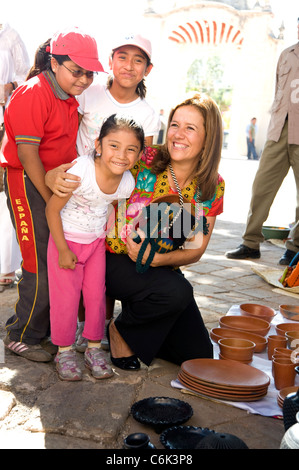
x,y
41,125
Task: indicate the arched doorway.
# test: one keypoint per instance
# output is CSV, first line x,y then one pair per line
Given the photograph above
x,y
248,52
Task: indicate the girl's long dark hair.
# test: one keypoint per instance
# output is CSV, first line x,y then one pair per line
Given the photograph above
x,y
42,59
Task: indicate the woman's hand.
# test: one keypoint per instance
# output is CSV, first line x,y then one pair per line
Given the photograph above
x,y
133,247
61,183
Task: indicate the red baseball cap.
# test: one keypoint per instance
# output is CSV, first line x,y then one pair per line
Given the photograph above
x,y
80,47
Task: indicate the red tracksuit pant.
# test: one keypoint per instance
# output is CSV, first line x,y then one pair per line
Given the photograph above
x,y
31,320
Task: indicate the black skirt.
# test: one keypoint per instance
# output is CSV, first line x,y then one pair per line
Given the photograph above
x,y
159,316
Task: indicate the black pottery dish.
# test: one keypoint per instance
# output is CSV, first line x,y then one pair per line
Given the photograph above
x,y
137,441
221,440
183,437
161,412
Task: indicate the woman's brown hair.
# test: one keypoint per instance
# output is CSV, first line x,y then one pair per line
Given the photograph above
x,y
209,157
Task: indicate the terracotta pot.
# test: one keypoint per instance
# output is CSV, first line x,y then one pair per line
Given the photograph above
x,y
257,311
282,351
275,341
236,349
281,328
290,311
283,372
292,339
250,324
218,333
278,356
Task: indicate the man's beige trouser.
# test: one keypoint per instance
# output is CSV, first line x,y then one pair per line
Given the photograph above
x,y
275,162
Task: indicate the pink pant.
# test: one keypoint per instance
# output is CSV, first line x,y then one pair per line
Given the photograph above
x,y
65,286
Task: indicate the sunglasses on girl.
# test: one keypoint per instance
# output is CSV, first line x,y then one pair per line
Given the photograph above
x,y
80,73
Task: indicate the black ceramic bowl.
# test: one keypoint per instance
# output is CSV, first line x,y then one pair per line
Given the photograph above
x,y
161,412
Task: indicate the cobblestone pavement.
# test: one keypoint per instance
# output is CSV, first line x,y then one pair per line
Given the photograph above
x,y
37,410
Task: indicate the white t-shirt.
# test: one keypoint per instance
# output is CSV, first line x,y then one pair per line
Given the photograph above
x,y
97,103
84,216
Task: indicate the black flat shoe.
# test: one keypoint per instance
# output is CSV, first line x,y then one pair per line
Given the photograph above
x,y
125,363
287,257
243,252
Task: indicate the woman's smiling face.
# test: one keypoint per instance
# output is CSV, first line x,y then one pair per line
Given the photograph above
x,y
186,134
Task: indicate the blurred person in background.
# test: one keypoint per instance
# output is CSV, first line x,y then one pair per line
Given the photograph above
x,y
14,66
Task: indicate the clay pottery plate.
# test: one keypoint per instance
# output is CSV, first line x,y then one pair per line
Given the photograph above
x,y
281,328
225,388
251,324
228,373
221,395
211,388
285,391
257,311
290,311
187,380
219,333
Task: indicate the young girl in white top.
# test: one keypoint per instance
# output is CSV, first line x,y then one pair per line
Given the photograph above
x,y
125,92
76,250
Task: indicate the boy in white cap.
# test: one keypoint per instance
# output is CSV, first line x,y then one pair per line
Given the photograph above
x,y
125,92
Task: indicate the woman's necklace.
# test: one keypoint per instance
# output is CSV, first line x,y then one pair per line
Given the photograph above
x,y
179,193
176,183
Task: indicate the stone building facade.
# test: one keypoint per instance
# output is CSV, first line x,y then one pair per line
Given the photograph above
x,y
242,36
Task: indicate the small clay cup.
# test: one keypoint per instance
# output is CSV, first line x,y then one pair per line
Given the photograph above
x,y
275,341
284,373
277,357
282,352
292,339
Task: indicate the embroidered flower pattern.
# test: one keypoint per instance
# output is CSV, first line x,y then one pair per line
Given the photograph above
x,y
148,155
146,181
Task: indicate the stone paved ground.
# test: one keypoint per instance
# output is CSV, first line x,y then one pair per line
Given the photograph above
x,y
37,410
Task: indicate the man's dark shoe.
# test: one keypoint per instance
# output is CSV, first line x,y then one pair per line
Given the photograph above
x,y
243,252
287,257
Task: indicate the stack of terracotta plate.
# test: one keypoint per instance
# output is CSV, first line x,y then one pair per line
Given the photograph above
x,y
283,393
225,380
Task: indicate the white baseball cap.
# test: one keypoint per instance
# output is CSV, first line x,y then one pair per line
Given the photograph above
x,y
135,40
